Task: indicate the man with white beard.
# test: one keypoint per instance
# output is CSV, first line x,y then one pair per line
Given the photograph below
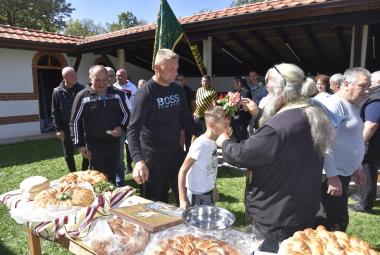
x,y
285,156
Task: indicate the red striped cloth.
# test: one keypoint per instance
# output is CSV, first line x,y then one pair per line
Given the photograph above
x,y
77,224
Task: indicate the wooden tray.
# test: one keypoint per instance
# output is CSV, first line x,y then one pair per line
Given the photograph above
x,y
155,216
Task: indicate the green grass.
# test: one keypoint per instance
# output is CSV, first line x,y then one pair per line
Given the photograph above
x,y
44,157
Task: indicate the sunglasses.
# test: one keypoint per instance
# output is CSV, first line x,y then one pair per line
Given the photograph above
x,y
280,74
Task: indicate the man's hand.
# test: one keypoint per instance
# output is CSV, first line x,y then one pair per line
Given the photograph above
x,y
184,204
60,135
360,177
140,172
116,132
334,186
85,152
250,106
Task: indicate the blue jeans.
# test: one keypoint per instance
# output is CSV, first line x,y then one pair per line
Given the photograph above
x,y
120,173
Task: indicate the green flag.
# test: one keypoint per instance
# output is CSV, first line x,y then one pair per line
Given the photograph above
x,y
168,32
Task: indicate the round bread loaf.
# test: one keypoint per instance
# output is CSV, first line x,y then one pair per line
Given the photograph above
x,y
64,196
34,184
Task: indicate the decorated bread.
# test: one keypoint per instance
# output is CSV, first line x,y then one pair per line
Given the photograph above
x,y
33,185
128,239
323,242
191,245
64,196
91,176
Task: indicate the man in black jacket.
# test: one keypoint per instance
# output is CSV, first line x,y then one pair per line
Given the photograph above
x,y
99,114
63,98
159,113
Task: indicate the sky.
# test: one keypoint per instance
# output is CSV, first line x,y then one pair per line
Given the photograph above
x,y
101,11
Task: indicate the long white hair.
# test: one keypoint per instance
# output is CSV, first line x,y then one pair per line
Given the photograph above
x,y
287,80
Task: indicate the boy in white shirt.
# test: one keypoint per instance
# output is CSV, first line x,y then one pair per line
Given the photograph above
x,y
197,176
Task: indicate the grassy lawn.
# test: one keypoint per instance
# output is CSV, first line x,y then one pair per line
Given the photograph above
x,y
44,158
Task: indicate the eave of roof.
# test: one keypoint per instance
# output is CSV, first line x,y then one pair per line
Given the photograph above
x,y
257,12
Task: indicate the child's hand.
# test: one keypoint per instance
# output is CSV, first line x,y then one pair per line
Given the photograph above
x,y
184,204
215,194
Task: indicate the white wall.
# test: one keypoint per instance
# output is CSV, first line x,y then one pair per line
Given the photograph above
x,y
220,84
18,108
86,62
16,71
19,129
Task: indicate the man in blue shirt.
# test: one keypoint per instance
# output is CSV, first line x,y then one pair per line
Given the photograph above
x,y
258,89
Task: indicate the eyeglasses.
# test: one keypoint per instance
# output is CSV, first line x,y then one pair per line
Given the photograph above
x,y
280,74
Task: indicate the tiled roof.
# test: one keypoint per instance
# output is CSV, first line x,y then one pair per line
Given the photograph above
x,y
39,36
267,5
25,34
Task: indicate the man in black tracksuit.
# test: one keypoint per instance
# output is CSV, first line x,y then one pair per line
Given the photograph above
x,y
99,114
63,98
159,113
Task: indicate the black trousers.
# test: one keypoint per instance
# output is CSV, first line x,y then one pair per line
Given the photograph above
x,y
163,174
105,157
367,192
68,151
129,157
333,213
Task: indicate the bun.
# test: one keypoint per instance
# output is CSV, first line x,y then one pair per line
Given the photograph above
x,y
323,242
191,245
34,184
64,196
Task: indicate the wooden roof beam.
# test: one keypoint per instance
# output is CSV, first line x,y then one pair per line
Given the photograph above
x,y
317,47
292,47
267,45
342,41
247,48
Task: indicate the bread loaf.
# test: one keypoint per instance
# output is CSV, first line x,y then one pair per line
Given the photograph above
x,y
69,195
191,245
34,184
323,242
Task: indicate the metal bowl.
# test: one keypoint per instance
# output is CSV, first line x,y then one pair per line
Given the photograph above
x,y
208,217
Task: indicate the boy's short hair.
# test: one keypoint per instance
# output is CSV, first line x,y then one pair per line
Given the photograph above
x,y
214,113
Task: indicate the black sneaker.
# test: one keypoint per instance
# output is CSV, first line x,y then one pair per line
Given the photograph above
x,y
358,208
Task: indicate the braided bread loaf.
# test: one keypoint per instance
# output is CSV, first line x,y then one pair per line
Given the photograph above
x,y
91,176
190,245
323,242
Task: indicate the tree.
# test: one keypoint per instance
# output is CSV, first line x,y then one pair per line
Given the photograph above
x,y
48,15
125,20
242,2
83,27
